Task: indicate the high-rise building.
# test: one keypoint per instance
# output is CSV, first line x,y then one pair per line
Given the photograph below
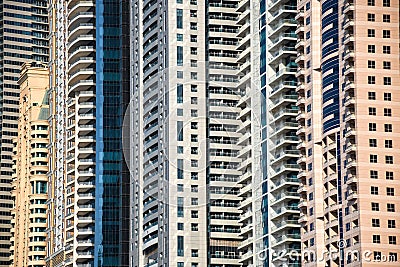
x,y
349,117
23,38
29,215
186,160
90,194
280,233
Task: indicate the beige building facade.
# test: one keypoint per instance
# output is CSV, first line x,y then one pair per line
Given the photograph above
x,y
30,158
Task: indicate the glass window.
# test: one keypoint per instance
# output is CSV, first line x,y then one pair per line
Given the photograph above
x,y
180,207
180,246
179,93
180,169
179,18
179,37
179,55
387,65
179,129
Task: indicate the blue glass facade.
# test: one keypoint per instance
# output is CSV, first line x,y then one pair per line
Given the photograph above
x,y
112,88
331,81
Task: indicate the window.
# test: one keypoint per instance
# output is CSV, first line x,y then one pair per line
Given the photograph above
x,y
194,163
179,169
312,242
373,158
371,17
180,246
387,96
194,150
373,174
193,38
194,176
193,50
371,48
371,2
179,1
377,256
386,65
180,187
372,143
371,33
179,129
179,37
371,64
179,55
310,181
194,125
195,252
371,79
180,264
311,196
387,80
388,144
193,13
193,88
179,112
193,63
376,239
386,3
180,207
392,240
308,20
312,227
372,111
388,128
195,214
193,26
348,227
179,74
386,34
387,112
389,175
193,113
193,75
194,188
386,49
376,223
195,264
194,138
386,18
179,93
179,18
371,96
375,206
390,191
194,227
193,2
390,207
346,211
374,190
311,211
180,226
195,201
391,223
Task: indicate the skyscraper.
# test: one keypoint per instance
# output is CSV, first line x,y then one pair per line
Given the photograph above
x,y
348,87
91,184
23,38
280,156
29,215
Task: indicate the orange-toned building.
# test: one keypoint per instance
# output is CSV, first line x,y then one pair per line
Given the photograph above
x,y
349,89
30,182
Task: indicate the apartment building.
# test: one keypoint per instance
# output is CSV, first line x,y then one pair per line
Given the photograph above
x,y
23,39
348,88
191,149
90,87
30,185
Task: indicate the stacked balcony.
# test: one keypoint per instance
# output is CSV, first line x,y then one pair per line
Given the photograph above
x,y
81,133
284,168
224,128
